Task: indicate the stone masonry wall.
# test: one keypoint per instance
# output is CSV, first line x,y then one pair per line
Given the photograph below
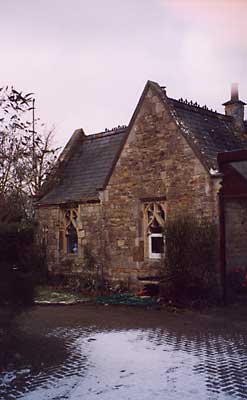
x,y
236,234
156,162
48,232
51,228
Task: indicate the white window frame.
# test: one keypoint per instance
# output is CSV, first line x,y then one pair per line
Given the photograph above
x,y
150,253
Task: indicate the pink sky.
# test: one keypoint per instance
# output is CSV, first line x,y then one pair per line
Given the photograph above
x,y
87,62
219,19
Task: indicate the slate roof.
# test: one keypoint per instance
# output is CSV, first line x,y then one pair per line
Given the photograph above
x,y
93,157
87,169
208,132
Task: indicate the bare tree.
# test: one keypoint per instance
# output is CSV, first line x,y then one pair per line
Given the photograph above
x,y
39,160
14,107
27,155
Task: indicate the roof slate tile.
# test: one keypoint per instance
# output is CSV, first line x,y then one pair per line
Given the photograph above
x,y
209,131
87,170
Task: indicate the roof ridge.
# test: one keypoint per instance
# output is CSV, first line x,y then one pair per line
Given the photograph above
x,y
106,133
196,107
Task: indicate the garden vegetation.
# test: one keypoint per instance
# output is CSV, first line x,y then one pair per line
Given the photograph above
x,y
189,274
27,157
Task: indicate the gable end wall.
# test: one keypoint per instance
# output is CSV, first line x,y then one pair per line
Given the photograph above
x,y
156,162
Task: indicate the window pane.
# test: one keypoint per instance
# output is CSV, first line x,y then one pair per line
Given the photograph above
x,y
61,236
72,243
155,228
157,244
161,212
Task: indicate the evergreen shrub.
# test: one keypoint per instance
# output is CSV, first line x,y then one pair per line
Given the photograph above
x,y
189,274
22,264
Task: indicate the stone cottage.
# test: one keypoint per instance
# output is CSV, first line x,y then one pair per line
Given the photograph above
x,y
112,192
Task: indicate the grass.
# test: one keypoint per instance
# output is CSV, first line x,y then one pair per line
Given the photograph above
x,y
46,294
51,295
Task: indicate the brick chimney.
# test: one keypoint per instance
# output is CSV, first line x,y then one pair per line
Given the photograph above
x,y
235,107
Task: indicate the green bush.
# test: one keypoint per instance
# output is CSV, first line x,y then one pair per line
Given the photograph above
x,y
22,264
92,278
189,275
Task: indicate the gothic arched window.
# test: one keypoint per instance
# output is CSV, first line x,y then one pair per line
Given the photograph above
x,y
72,240
71,221
154,214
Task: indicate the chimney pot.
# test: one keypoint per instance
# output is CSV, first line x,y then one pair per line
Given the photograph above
x,y
235,107
234,92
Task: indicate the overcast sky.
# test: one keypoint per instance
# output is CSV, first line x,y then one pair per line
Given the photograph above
x,y
88,61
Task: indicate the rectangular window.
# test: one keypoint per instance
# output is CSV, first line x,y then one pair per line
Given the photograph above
x,y
156,245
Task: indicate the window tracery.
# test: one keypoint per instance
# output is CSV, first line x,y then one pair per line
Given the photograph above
x,y
71,223
154,220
